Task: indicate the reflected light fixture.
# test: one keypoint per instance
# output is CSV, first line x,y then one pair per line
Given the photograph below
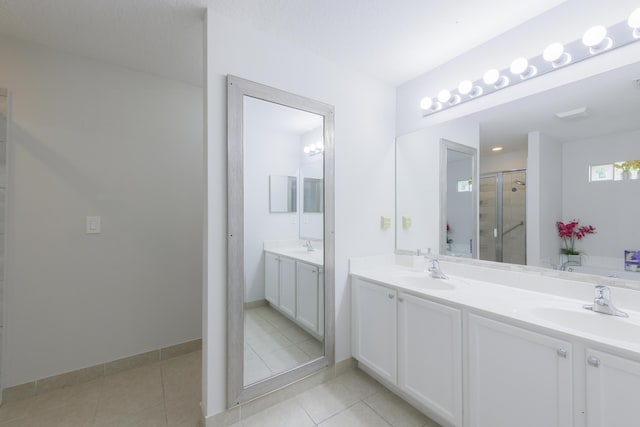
x,y
314,148
634,22
594,41
496,148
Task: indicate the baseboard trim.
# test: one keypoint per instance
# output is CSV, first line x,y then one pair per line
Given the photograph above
x,y
79,376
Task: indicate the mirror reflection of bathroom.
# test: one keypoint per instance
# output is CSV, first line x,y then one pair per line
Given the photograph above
x,y
283,248
502,217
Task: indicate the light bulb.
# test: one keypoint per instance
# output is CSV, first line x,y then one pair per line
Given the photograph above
x,y
312,147
465,87
306,149
553,52
444,95
320,145
426,103
594,36
491,76
519,66
634,22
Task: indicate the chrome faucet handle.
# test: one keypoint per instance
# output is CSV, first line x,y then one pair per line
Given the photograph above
x,y
603,292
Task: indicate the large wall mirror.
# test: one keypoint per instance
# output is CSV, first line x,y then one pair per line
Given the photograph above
x,y
558,162
280,238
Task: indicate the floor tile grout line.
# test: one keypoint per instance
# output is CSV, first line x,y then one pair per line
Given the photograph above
x,y
376,412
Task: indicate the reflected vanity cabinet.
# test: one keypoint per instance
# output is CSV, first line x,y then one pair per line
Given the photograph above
x,y
296,289
412,343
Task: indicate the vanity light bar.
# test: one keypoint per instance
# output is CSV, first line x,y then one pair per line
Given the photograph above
x,y
595,40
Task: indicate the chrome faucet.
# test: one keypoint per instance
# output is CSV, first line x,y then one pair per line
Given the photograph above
x,y
602,303
434,269
307,244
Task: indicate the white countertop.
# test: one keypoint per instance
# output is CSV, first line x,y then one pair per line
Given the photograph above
x,y
541,302
299,253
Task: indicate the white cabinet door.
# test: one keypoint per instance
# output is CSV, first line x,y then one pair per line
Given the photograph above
x,y
517,377
613,390
374,327
430,355
272,278
308,293
288,286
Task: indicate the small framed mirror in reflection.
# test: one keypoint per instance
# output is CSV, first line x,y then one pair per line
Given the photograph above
x,y
283,193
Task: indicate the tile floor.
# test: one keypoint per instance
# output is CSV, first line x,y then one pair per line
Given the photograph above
x,y
274,344
167,394
163,394
351,400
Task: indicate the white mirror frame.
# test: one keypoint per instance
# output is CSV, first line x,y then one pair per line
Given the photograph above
x,y
445,146
237,89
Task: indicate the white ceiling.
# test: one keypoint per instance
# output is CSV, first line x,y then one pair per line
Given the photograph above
x,y
392,40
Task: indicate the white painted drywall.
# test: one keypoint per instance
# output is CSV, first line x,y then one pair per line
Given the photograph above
x,y
95,139
491,163
364,168
544,199
610,206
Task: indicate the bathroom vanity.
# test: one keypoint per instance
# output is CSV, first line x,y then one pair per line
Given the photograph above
x,y
496,345
294,285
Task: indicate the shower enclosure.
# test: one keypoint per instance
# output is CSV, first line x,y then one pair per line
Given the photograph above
x,y
503,217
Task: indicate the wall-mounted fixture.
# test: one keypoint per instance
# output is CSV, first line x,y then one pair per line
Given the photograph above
x,y
595,40
313,149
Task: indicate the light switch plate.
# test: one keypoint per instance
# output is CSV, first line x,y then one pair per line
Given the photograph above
x,y
93,225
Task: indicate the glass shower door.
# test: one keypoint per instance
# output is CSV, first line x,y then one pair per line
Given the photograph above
x,y
503,216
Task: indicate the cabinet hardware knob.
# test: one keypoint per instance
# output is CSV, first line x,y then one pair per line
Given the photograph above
x,y
593,361
400,299
562,353
390,296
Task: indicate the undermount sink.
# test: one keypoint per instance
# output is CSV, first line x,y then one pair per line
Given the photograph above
x,y
423,280
604,325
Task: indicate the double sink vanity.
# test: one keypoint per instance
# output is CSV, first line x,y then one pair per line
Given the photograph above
x,y
294,283
495,344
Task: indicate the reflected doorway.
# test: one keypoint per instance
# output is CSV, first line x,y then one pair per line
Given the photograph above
x,y
502,217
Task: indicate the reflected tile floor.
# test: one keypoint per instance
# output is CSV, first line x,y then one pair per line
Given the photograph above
x,y
353,399
274,344
163,394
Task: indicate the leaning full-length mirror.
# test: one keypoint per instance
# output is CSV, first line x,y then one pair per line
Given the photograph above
x,y
280,238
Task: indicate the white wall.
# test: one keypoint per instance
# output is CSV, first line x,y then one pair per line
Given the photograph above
x,y
544,200
610,206
564,23
94,139
503,162
418,181
364,168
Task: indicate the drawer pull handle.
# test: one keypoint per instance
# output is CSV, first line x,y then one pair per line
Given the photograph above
x,y
562,353
593,361
390,296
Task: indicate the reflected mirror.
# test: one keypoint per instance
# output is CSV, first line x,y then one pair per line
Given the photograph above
x,y
458,196
283,193
280,254
552,144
